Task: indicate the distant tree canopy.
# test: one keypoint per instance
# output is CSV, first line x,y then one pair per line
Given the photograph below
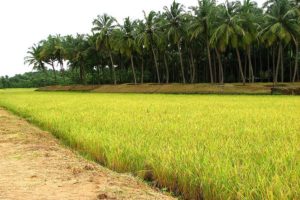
x,y
33,80
230,42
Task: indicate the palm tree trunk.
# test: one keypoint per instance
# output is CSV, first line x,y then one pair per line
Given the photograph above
x,y
113,68
98,74
142,70
273,62
251,75
240,65
121,65
290,66
245,66
156,64
221,75
282,70
209,62
133,70
215,67
296,61
260,62
63,72
278,63
46,76
193,72
81,74
255,63
190,70
54,72
167,68
102,74
268,53
181,62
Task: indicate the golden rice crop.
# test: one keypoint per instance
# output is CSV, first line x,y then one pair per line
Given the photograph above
x,y
202,146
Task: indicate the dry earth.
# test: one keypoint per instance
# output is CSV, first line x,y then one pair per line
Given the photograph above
x,y
175,88
34,165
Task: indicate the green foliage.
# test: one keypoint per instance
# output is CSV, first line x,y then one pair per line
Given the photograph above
x,y
197,42
281,23
36,79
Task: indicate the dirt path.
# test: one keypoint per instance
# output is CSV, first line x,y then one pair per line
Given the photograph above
x,y
33,165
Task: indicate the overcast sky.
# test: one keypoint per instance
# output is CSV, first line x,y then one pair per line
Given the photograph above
x,y
25,22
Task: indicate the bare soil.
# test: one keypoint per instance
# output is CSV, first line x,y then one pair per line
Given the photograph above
x,y
34,165
234,88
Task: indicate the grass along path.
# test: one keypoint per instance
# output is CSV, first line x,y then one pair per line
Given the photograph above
x,y
33,165
212,147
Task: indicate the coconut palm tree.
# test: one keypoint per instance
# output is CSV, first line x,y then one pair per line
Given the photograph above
x,y
76,53
34,58
174,17
48,53
281,27
104,26
296,41
148,36
164,45
125,41
139,45
202,26
228,32
296,12
249,18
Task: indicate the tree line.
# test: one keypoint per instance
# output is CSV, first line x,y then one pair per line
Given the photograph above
x,y
216,43
38,79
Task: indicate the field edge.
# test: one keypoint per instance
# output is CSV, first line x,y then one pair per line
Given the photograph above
x,y
151,88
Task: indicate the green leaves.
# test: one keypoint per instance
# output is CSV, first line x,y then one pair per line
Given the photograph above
x,y
175,22
34,57
103,27
282,22
190,33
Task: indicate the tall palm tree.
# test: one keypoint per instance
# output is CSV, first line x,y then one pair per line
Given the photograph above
x,y
125,41
296,12
48,53
103,27
58,51
202,25
75,52
249,15
229,32
34,58
281,27
164,44
139,45
175,25
149,37
296,41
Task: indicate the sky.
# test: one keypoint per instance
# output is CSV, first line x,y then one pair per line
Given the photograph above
x,y
25,22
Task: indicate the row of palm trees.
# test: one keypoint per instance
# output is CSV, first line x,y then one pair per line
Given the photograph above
x,y
234,42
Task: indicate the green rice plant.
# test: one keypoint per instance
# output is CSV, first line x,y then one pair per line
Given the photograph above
x,y
199,146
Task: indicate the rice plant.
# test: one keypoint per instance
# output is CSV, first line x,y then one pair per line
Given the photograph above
x,y
198,146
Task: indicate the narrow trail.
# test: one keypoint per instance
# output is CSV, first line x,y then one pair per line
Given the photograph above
x,y
34,165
